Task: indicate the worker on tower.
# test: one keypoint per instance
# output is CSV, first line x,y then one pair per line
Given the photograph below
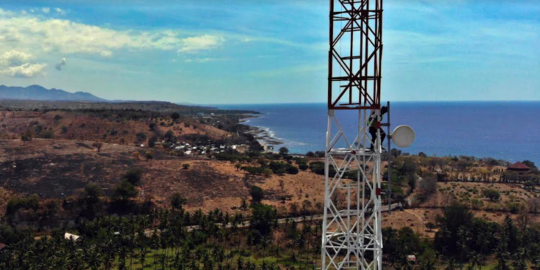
x,y
375,125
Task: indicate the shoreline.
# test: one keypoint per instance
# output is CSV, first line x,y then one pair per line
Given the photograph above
x,y
263,135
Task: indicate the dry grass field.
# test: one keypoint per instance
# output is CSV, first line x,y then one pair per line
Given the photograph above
x,y
88,127
58,167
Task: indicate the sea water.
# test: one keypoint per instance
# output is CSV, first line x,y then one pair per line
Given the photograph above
x,y
501,130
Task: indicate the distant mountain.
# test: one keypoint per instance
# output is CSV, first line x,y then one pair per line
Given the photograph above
x,y
36,92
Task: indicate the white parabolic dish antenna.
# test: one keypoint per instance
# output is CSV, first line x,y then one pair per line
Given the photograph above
x,y
403,136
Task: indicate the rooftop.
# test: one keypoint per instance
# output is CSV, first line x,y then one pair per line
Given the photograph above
x,y
519,166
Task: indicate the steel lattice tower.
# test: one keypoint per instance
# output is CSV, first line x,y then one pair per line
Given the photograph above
x,y
352,237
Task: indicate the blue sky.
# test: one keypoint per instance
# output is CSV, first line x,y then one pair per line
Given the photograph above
x,y
265,51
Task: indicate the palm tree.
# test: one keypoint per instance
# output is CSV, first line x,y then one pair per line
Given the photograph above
x,y
519,261
451,265
475,261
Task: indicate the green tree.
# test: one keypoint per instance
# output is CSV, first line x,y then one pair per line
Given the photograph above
x,y
456,221
175,116
257,194
141,137
491,194
152,141
170,137
529,164
263,219
125,191
428,260
91,204
133,176
177,201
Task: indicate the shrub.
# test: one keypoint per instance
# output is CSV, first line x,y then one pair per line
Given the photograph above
x,y
27,135
169,136
291,169
278,167
351,174
124,191
15,204
477,204
48,134
267,172
152,141
141,137
514,208
303,166
149,155
300,160
227,157
133,176
317,167
491,194
253,170
185,166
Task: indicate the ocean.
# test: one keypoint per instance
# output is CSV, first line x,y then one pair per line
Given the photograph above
x,y
501,130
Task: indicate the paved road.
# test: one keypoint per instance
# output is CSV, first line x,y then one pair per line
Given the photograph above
x,y
245,224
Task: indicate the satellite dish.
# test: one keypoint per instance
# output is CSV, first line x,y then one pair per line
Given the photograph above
x,y
403,136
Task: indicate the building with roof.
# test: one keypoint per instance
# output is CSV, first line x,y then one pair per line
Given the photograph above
x,y
518,167
72,237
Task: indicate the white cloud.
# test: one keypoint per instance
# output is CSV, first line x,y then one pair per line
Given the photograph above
x,y
5,12
46,10
63,62
25,70
15,64
37,34
13,58
205,42
60,11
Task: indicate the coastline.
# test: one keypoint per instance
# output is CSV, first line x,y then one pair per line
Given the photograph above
x,y
442,128
263,135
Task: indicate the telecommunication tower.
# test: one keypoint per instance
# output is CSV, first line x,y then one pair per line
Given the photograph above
x,y
352,237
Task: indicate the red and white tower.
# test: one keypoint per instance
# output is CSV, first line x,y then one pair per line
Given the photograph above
x,y
352,237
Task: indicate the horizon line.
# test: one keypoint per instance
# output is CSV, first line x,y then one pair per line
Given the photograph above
x,y
398,101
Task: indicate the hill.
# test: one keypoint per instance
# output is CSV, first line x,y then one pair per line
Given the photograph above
x,y
36,92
